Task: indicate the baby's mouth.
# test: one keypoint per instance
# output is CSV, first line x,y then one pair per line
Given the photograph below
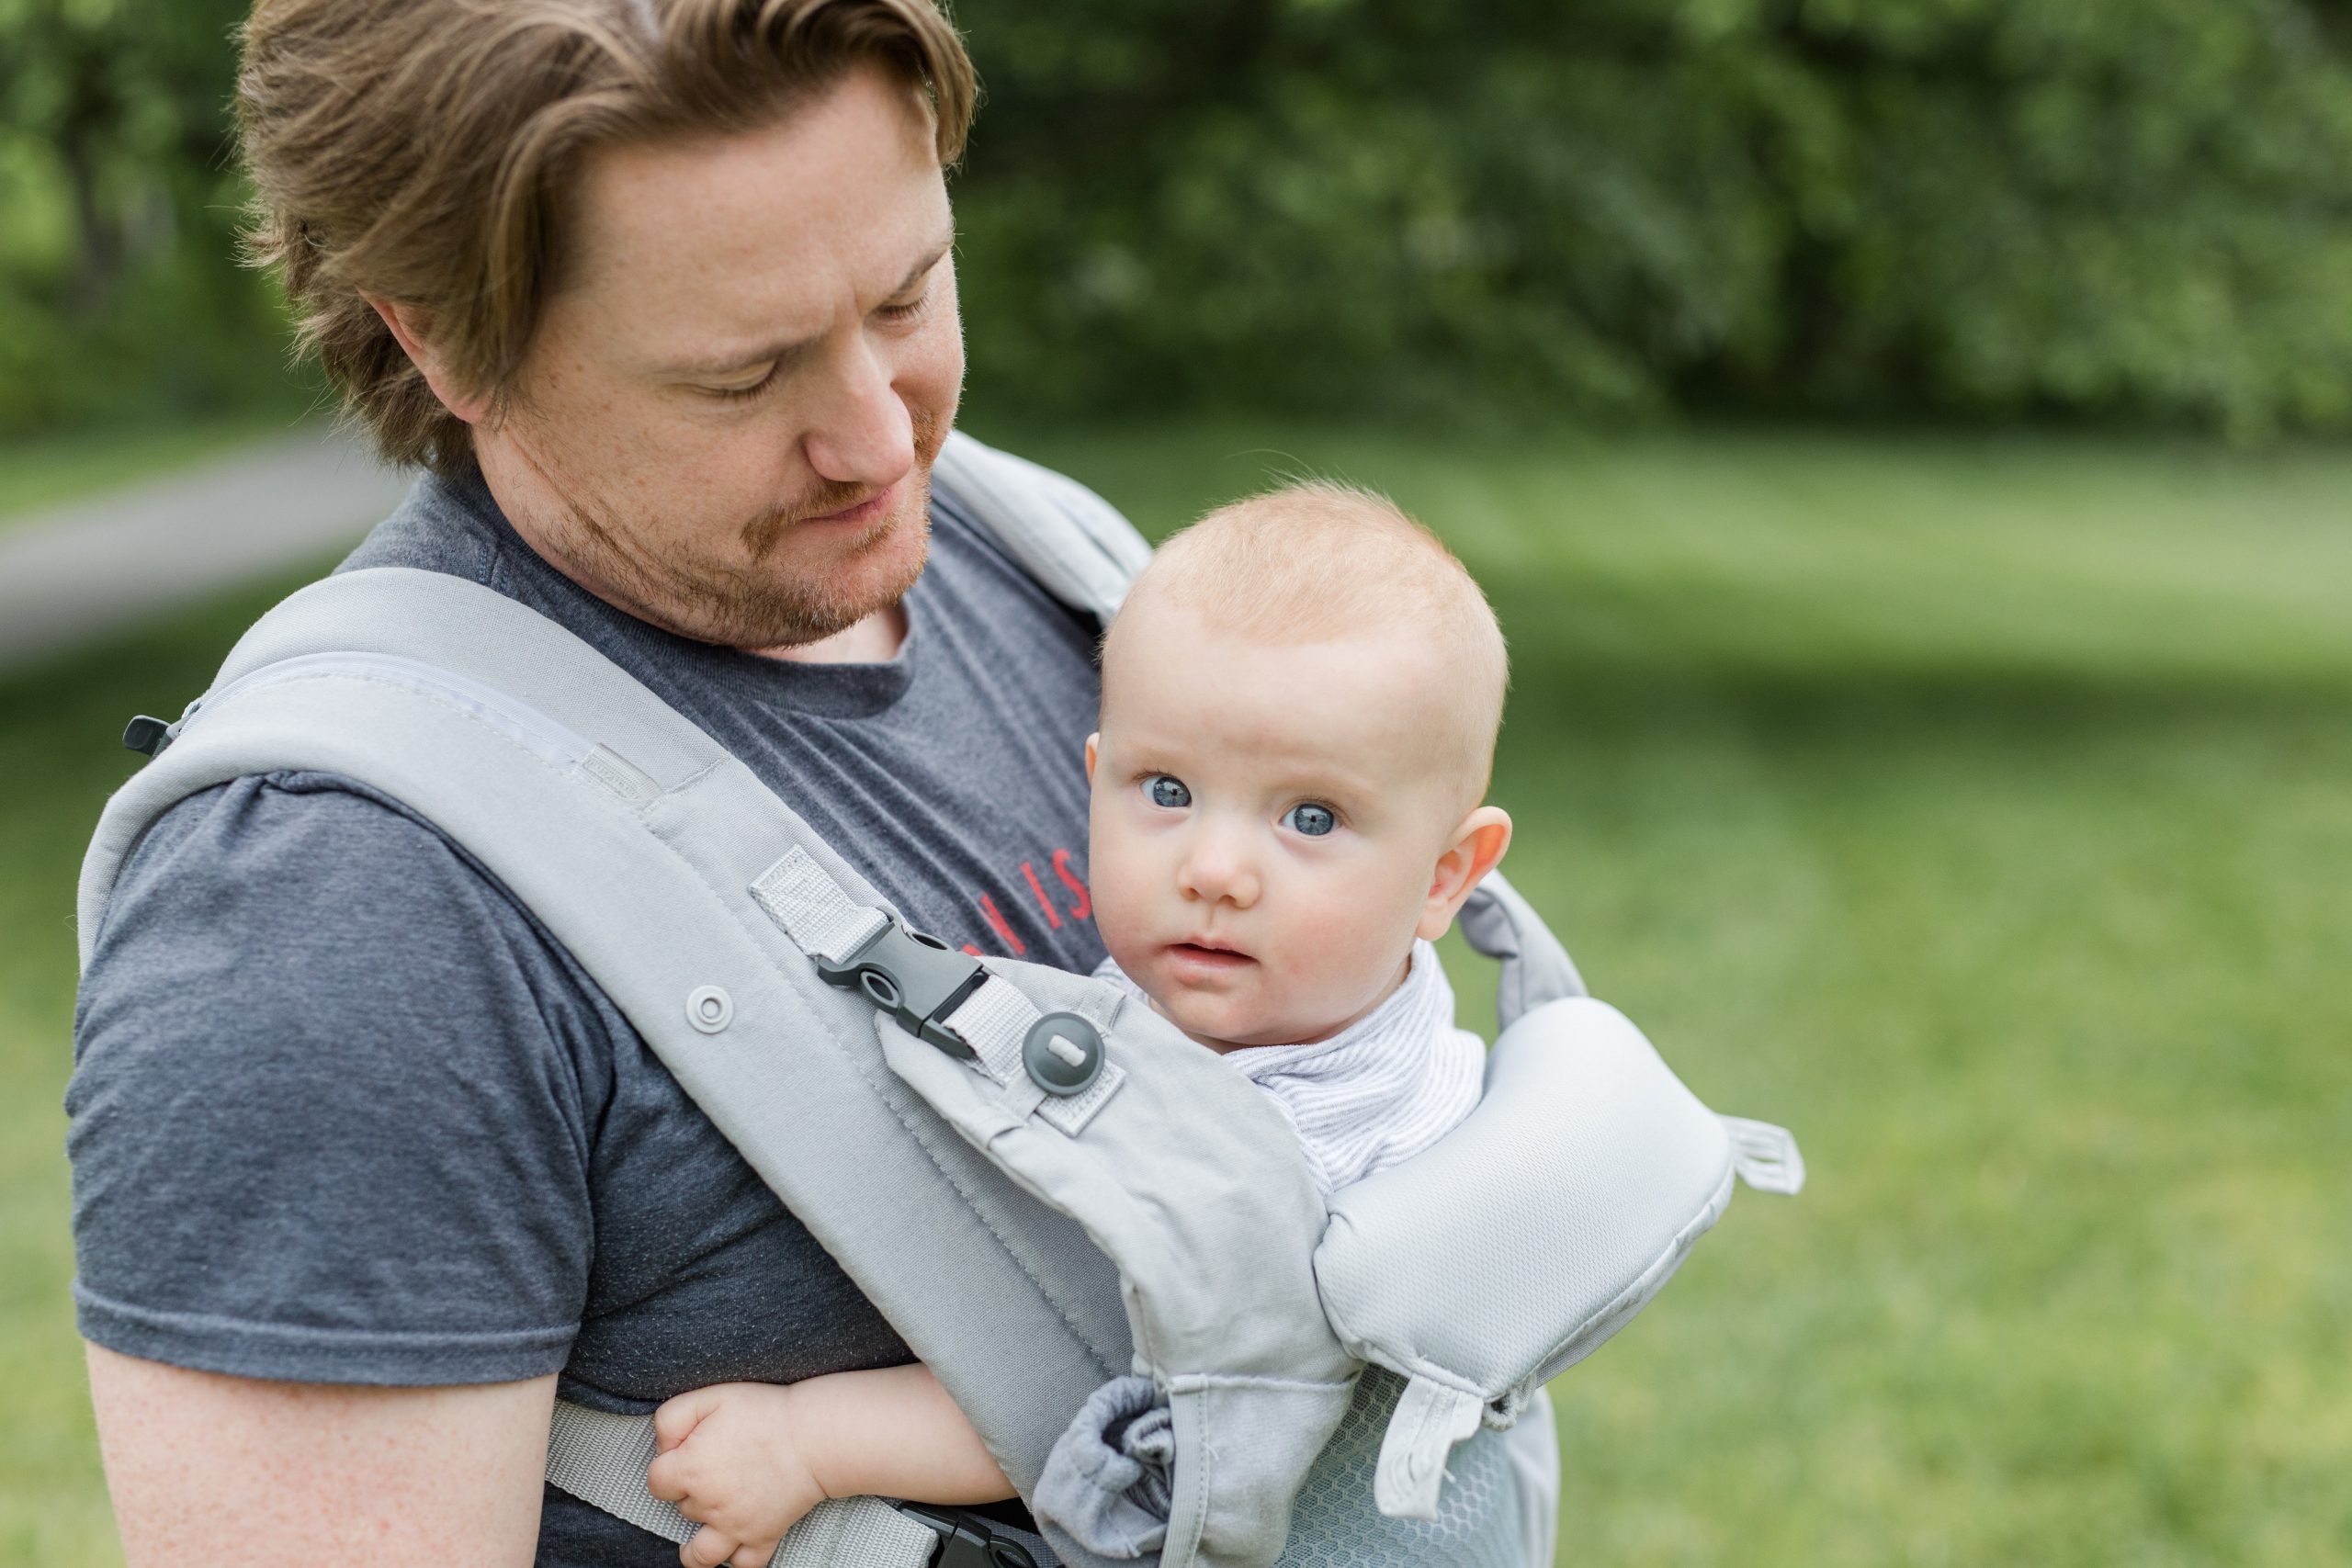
x,y
1207,955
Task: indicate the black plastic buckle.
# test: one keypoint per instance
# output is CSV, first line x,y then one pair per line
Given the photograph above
x,y
967,1542
916,978
147,735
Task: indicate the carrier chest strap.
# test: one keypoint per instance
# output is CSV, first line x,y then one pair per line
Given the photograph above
x,y
1049,1064
601,1458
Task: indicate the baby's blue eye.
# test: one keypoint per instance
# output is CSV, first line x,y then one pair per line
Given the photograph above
x,y
1310,819
1163,790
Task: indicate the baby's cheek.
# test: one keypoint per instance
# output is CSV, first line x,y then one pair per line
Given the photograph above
x,y
1116,890
1337,956
1329,934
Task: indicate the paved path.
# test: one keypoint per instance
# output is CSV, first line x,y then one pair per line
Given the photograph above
x,y
77,572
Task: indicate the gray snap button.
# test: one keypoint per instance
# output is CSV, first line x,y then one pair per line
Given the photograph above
x,y
1063,1054
710,1009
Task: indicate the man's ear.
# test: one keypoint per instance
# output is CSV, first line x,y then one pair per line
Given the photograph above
x,y
1479,845
413,329
1093,750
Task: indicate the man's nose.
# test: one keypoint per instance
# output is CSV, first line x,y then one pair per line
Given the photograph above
x,y
866,435
1217,869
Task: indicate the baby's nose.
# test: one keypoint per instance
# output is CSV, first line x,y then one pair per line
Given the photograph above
x,y
1218,871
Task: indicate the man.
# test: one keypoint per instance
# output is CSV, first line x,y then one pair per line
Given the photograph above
x,y
660,293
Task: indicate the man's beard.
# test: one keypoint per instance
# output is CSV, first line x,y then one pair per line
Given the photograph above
x,y
754,606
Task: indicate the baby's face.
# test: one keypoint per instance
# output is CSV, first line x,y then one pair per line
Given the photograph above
x,y
1267,823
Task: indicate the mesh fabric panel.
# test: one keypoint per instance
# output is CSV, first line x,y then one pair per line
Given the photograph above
x,y
1335,1524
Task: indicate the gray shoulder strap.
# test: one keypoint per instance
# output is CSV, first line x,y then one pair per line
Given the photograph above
x,y
1072,541
592,800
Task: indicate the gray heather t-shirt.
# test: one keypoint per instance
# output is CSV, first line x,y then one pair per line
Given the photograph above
x,y
344,1111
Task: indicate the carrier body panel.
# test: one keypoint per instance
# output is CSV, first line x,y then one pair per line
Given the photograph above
x,y
705,908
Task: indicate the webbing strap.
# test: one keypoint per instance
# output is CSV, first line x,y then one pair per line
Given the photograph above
x,y
601,1458
993,1020
813,909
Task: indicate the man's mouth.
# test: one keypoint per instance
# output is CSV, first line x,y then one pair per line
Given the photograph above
x,y
866,510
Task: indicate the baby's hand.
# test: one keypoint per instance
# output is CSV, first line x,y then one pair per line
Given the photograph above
x,y
729,1459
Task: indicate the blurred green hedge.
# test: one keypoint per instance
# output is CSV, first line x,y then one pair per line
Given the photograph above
x,y
2116,209
2132,209
120,298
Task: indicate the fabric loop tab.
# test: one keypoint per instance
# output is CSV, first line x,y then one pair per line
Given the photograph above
x,y
1766,1156
996,1021
620,775
1430,1419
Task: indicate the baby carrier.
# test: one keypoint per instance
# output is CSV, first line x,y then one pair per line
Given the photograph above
x,y
1066,1208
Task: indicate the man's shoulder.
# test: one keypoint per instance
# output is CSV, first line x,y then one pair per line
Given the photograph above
x,y
261,816
312,908
332,1101
327,863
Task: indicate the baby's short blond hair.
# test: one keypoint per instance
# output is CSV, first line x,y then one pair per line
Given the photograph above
x,y
1316,561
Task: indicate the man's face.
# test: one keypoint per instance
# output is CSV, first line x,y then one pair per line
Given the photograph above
x,y
727,420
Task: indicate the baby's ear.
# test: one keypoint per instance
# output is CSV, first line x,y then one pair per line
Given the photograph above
x,y
1478,848
1093,748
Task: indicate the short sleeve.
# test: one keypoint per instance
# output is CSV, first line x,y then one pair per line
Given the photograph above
x,y
327,1116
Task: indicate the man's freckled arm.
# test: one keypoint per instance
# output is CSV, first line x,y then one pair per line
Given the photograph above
x,y
213,1472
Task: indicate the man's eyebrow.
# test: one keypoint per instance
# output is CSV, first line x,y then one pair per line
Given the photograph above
x,y
932,258
781,353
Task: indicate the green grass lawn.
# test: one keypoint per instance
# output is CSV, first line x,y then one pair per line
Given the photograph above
x,y
1978,809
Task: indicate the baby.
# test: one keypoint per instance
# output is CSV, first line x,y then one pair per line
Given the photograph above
x,y
1300,699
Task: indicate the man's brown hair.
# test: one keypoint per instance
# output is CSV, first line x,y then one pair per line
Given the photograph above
x,y
423,151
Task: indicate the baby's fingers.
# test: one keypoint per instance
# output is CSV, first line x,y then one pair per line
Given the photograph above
x,y
752,1554
681,1415
708,1548
666,1477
